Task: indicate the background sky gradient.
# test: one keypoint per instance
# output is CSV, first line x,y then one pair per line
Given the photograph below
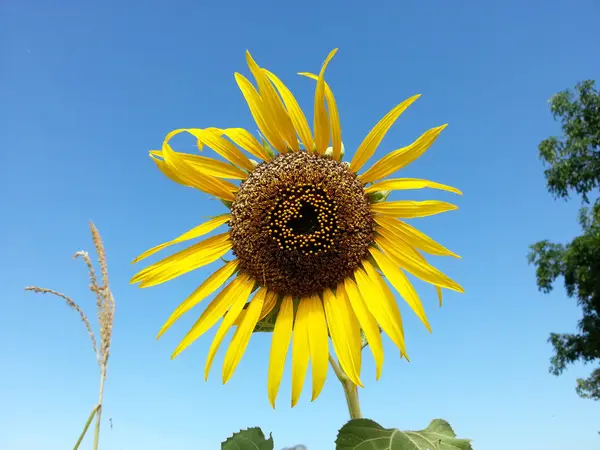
x,y
87,88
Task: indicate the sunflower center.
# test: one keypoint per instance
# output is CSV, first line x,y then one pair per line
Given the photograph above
x,y
301,223
305,221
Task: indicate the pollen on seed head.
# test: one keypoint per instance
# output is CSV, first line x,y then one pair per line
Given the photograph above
x,y
301,223
302,217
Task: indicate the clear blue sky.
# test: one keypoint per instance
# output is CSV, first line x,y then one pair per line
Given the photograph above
x,y
87,88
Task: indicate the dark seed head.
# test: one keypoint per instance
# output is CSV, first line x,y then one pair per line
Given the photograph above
x,y
301,223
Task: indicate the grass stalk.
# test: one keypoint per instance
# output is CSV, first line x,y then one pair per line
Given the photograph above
x,y
105,306
99,414
85,428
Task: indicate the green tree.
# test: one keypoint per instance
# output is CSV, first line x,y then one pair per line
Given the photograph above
x,y
573,164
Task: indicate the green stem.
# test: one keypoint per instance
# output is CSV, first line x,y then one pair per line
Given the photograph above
x,y
85,428
350,390
99,414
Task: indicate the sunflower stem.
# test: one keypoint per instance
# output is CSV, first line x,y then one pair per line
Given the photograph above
x,y
350,390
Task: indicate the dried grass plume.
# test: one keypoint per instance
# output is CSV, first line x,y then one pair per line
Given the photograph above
x,y
105,311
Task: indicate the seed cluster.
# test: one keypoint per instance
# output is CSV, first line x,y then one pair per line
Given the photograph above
x,y
301,223
304,219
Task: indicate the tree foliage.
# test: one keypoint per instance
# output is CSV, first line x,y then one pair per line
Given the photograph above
x,y
573,164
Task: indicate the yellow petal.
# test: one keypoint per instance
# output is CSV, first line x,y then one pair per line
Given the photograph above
x,y
198,231
279,347
215,310
242,334
248,142
170,134
409,259
184,261
408,209
199,143
182,161
318,343
334,118
234,311
437,288
345,333
191,176
260,113
210,166
269,304
321,124
336,127
210,285
398,159
215,168
185,169
381,303
300,349
401,284
181,171
368,146
168,171
396,229
223,147
296,114
272,103
409,183
366,320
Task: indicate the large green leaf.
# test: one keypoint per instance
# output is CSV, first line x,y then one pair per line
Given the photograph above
x,y
365,434
250,439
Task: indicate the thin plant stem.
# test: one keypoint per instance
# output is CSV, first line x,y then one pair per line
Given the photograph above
x,y
99,408
85,428
350,390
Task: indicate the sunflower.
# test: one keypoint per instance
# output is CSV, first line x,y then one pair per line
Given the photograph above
x,y
313,239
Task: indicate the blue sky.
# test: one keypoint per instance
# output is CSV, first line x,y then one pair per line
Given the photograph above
x,y
89,87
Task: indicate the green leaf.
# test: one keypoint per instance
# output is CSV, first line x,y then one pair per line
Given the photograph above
x,y
363,338
379,196
365,434
267,323
266,146
250,439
